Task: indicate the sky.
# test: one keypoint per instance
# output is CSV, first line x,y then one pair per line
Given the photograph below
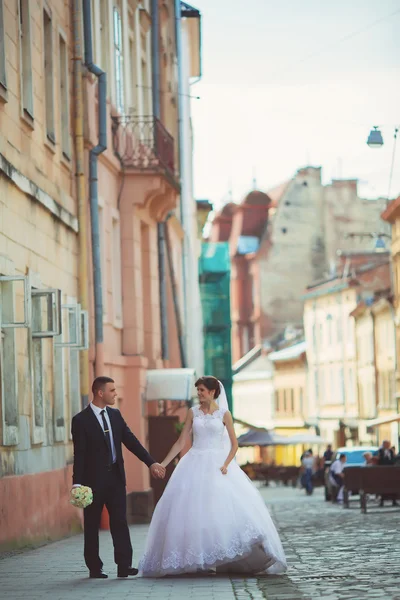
x,y
290,83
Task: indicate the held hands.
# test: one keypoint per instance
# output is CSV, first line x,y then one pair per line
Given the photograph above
x,y
157,471
224,470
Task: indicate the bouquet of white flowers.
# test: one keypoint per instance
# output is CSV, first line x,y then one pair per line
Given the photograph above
x,y
81,496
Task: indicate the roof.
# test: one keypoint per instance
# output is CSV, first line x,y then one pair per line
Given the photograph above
x,y
375,304
325,288
247,359
391,211
189,11
340,283
203,203
289,353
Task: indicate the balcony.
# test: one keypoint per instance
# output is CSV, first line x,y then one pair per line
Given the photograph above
x,y
143,144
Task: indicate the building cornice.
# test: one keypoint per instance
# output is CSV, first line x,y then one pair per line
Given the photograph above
x,y
28,187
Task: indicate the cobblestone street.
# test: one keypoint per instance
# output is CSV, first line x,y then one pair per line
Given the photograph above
x,y
334,554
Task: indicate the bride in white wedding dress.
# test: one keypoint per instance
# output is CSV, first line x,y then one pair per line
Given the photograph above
x,y
210,515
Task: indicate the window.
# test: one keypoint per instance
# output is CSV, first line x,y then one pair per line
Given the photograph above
x,y
37,369
331,391
133,90
8,368
59,391
146,289
352,395
104,278
301,396
116,270
3,78
118,61
104,46
64,103
74,383
292,401
145,74
286,401
48,75
75,404
276,398
342,394
26,60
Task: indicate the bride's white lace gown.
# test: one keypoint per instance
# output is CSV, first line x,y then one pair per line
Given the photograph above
x,y
206,519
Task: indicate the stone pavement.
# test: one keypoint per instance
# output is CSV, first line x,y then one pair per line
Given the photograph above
x,y
334,554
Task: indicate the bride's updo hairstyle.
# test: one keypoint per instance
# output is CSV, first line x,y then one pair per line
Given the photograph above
x,y
211,383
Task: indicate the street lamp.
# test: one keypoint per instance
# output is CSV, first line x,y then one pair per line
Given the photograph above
x,y
375,139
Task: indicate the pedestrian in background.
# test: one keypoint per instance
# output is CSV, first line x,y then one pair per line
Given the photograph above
x,y
328,454
308,466
336,477
386,457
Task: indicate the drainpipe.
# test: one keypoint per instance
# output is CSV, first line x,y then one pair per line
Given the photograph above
x,y
184,195
93,181
175,298
163,288
161,227
81,192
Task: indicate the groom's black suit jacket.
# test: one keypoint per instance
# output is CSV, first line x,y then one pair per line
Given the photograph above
x,y
91,455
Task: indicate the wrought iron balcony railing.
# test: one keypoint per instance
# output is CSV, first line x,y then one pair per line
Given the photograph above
x,y
143,143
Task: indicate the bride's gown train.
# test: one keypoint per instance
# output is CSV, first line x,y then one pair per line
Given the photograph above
x,y
208,520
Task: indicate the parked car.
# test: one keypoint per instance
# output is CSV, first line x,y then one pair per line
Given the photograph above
x,y
355,454
354,458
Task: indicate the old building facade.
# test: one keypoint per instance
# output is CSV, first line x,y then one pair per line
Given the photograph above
x,y
91,116
376,370
39,244
290,380
292,238
331,347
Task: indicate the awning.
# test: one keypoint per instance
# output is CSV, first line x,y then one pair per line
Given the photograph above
x,y
383,421
170,384
263,437
259,437
305,438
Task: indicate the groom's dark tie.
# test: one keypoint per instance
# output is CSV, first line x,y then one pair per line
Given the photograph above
x,y
108,438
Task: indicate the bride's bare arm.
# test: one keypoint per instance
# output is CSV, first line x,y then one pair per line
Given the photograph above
x,y
180,443
234,443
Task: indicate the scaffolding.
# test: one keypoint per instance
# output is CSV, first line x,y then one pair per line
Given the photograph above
x,y
214,279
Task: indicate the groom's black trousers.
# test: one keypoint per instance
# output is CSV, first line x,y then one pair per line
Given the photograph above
x,y
111,493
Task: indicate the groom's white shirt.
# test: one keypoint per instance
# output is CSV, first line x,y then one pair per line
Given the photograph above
x,y
97,412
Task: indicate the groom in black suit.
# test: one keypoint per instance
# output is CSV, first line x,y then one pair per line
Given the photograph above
x,y
98,432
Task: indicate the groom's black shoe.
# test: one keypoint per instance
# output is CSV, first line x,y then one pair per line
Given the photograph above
x,y
98,574
127,571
